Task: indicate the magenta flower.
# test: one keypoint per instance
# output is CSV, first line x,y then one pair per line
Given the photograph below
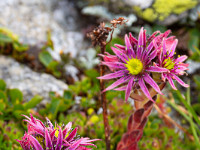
x,y
132,64
40,137
175,66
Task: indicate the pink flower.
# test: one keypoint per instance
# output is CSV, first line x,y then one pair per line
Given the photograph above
x,y
175,66
40,137
132,64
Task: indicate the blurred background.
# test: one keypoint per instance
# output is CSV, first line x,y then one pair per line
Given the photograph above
x,y
48,67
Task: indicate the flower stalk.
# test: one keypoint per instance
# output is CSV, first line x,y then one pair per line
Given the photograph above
x,y
99,37
104,105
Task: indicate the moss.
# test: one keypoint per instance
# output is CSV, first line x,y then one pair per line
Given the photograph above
x,y
161,9
149,12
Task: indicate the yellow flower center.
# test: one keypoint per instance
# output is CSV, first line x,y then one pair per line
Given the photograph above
x,y
134,66
168,64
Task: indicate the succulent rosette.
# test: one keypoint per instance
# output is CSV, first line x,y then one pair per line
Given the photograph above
x,y
132,64
41,136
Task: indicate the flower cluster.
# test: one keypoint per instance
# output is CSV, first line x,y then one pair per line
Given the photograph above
x,y
41,136
134,63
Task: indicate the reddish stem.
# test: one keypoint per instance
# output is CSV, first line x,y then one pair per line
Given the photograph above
x,y
104,105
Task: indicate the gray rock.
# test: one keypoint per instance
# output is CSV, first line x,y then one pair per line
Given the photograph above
x,y
141,3
29,82
32,19
193,66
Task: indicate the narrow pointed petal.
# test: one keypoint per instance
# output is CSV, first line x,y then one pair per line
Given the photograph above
x,y
181,59
48,141
173,47
147,51
153,36
152,83
120,54
71,135
129,88
129,47
121,47
144,89
122,88
59,140
140,43
180,81
156,69
166,33
171,82
152,56
53,134
34,143
75,145
149,47
32,118
112,75
118,82
133,40
49,123
164,48
116,65
67,129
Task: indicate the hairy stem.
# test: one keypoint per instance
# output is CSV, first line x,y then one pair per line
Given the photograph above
x,y
104,105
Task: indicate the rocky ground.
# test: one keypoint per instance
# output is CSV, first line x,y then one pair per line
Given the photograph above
x,y
29,82
32,19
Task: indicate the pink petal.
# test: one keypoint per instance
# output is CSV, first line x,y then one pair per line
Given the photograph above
x,y
71,135
153,36
152,83
133,40
172,48
181,59
59,140
171,82
140,43
120,54
129,47
122,88
180,81
118,82
144,89
116,65
156,69
112,75
34,143
121,47
128,89
48,141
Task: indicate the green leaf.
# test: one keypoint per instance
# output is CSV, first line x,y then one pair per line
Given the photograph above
x,y
2,85
159,28
197,81
33,102
194,39
67,95
15,95
53,66
4,38
92,73
45,58
3,96
20,47
54,106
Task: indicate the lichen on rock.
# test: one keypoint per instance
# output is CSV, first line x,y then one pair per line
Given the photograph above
x,y
161,9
